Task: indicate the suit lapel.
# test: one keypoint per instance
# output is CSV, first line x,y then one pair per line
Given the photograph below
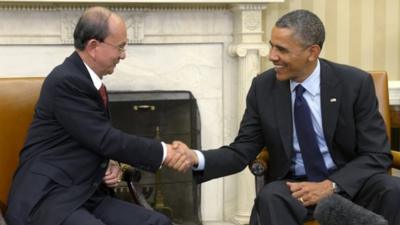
x,y
283,104
330,101
76,60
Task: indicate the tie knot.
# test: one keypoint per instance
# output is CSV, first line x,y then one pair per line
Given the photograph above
x,y
103,88
300,90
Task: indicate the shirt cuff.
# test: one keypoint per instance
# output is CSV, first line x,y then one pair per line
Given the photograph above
x,y
164,146
201,160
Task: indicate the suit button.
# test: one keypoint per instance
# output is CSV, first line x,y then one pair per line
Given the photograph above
x,y
95,184
104,164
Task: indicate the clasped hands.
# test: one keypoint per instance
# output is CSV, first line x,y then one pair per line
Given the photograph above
x,y
310,193
180,157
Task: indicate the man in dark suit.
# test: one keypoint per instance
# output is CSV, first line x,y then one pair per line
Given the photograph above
x,y
353,152
62,174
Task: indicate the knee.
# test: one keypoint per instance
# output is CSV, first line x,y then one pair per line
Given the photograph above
x,y
390,191
271,193
392,194
161,219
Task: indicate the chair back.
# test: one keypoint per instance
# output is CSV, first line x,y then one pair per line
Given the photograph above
x,y
18,97
382,93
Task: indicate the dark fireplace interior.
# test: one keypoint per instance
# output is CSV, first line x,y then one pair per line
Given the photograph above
x,y
167,116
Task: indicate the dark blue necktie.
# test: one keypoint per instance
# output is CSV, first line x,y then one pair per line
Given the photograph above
x,y
312,157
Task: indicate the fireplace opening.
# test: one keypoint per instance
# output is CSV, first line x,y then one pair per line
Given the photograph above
x,y
167,116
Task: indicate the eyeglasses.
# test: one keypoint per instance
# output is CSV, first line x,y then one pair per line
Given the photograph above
x,y
119,48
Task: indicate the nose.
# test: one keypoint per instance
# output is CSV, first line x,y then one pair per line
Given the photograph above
x,y
122,55
272,56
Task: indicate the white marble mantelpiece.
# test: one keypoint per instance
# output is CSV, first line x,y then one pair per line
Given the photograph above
x,y
141,1
211,48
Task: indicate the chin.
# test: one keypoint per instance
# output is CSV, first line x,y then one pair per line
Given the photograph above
x,y
282,77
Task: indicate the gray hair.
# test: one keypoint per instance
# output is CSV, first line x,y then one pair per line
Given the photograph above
x,y
307,27
93,24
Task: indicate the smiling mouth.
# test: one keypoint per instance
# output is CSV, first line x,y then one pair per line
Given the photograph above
x,y
278,67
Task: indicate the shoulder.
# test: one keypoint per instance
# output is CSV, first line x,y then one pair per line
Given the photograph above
x,y
266,79
70,74
343,72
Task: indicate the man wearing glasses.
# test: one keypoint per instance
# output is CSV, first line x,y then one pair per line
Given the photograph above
x,y
65,169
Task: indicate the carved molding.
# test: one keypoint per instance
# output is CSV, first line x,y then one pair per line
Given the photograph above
x,y
251,21
25,26
68,22
140,1
134,23
249,6
127,4
241,50
112,6
135,27
248,23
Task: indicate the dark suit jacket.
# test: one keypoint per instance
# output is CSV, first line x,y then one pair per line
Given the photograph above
x,y
353,127
68,147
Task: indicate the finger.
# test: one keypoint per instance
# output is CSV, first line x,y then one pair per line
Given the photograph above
x,y
308,202
299,193
174,159
176,144
108,171
180,162
295,186
301,200
169,156
185,166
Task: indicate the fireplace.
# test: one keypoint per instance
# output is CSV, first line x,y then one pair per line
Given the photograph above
x,y
168,116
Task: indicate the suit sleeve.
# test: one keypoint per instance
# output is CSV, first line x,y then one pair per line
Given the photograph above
x,y
80,114
372,149
235,157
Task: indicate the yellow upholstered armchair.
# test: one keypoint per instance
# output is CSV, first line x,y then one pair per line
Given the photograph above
x,y
18,97
260,165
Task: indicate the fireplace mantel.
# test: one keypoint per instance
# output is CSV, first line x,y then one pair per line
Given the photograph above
x,y
43,4
140,1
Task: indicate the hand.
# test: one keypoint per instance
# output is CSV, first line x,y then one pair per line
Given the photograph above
x,y
192,156
310,193
113,174
179,157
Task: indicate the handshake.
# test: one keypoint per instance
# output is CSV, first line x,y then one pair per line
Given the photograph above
x,y
180,157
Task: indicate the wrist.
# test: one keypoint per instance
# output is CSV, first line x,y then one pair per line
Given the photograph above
x,y
335,188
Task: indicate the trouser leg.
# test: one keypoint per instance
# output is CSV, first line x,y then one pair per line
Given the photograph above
x,y
82,216
274,205
381,194
114,211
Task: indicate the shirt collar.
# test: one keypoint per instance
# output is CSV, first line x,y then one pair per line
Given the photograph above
x,y
97,82
312,83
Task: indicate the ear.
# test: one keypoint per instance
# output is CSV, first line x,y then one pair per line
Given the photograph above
x,y
315,50
91,47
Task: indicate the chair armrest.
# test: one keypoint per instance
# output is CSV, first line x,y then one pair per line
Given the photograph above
x,y
396,159
130,174
259,166
132,177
